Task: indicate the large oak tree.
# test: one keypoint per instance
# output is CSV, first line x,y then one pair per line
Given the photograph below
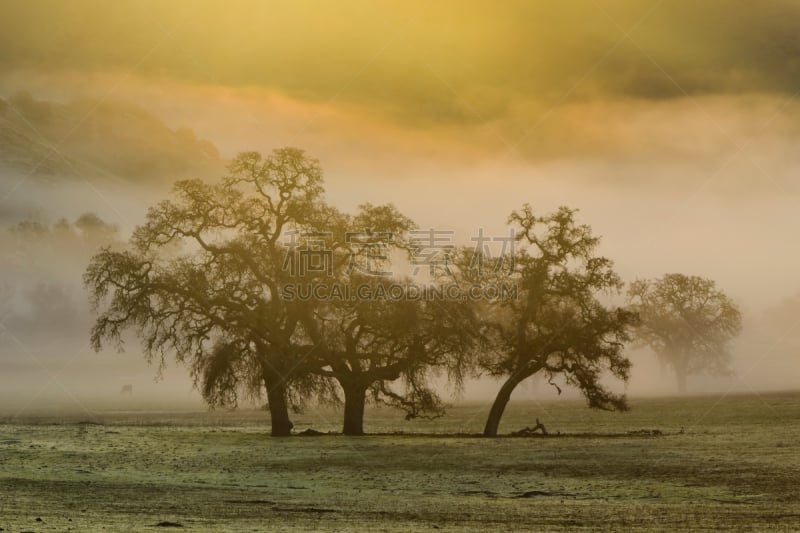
x,y
380,338
224,276
556,325
387,345
203,275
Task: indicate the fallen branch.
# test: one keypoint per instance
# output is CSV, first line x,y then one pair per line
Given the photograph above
x,y
529,432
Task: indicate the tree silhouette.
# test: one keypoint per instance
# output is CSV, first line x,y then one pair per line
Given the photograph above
x,y
371,343
40,267
687,322
203,275
556,325
215,276
384,341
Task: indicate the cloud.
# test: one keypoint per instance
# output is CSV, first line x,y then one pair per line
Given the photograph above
x,y
422,62
612,79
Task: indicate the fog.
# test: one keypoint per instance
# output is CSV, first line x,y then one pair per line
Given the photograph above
x,y
680,166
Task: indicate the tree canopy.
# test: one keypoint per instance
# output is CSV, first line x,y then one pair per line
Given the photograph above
x,y
226,276
219,275
202,278
687,321
557,324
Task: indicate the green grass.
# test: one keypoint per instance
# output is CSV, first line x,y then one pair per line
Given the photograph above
x,y
736,465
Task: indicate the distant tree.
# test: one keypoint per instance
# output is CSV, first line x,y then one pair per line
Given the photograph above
x,y
41,277
203,275
38,247
92,227
687,322
556,326
50,305
782,320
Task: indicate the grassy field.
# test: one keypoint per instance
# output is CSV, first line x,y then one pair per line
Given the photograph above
x,y
720,463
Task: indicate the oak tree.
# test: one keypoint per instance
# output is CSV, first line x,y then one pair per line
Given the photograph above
x,y
379,337
203,274
557,324
687,321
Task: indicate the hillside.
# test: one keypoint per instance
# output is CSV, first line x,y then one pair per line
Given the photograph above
x,y
121,141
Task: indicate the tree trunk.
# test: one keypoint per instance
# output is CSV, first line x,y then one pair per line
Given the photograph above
x,y
499,405
680,376
278,406
355,397
680,363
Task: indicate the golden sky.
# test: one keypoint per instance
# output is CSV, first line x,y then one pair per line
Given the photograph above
x,y
499,67
667,121
673,125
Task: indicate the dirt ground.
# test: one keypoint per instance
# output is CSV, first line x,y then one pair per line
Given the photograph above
x,y
718,463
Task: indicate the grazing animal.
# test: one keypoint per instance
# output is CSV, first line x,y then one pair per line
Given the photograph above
x,y
127,389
